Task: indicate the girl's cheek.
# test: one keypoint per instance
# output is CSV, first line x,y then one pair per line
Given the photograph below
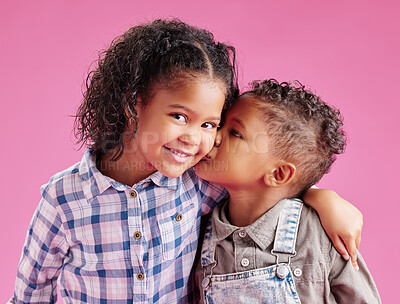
x,y
210,143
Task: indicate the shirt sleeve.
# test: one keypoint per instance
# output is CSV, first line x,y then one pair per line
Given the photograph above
x,y
42,256
350,286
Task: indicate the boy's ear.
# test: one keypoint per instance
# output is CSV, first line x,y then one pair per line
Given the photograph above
x,y
282,174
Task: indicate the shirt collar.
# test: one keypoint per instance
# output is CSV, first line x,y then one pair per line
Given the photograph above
x,y
164,181
95,183
262,231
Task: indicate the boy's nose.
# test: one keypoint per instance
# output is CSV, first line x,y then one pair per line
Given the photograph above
x,y
218,139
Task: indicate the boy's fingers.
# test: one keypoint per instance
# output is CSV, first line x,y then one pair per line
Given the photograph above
x,y
340,247
353,256
358,241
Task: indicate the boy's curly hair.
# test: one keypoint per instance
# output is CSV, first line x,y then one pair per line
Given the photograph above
x,y
160,54
302,128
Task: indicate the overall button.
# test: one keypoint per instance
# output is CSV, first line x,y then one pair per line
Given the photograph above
x,y
178,217
206,281
245,262
133,193
297,272
137,235
242,233
140,276
282,271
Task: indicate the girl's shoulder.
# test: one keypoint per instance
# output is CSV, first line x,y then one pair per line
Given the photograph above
x,y
62,180
72,182
189,179
65,174
208,194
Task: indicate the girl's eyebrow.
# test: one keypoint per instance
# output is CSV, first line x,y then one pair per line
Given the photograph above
x,y
179,106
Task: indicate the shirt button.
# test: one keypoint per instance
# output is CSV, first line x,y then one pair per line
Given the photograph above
x,y
137,235
178,217
245,262
140,276
297,272
242,233
133,193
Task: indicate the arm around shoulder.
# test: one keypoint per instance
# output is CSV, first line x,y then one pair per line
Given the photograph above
x,y
341,220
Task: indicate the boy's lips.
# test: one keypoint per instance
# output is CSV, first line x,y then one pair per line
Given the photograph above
x,y
178,155
206,158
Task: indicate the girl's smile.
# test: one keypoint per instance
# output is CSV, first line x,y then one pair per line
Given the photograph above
x,y
178,155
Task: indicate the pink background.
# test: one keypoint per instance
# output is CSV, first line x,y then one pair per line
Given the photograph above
x,y
348,51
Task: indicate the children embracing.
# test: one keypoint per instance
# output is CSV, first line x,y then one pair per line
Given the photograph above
x,y
123,224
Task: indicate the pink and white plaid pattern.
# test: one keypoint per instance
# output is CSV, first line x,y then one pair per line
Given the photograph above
x,y
103,243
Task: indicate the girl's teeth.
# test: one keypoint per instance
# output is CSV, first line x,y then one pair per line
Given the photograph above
x,y
179,154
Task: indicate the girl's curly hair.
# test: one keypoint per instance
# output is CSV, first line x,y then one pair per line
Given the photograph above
x,y
163,53
302,128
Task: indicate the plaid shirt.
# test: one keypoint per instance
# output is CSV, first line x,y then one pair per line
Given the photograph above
x,y
105,242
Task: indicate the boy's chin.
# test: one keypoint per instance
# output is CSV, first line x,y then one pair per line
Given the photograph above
x,y
203,170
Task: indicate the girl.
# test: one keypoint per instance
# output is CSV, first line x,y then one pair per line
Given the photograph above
x,y
122,225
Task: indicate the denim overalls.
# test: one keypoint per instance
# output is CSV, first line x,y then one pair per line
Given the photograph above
x,y
273,284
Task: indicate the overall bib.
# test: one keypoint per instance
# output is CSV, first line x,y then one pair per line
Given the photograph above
x,y
273,284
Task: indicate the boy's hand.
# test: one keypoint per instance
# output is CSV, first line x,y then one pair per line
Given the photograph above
x,y
341,220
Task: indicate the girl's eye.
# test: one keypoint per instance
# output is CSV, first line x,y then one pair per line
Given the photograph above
x,y
179,117
209,125
235,133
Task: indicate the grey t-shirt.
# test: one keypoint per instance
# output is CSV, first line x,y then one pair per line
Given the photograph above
x,y
321,274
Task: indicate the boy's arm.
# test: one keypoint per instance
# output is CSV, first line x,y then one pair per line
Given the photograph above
x,y
42,257
340,219
349,286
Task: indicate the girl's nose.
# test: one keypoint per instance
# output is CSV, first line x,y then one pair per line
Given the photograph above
x,y
192,139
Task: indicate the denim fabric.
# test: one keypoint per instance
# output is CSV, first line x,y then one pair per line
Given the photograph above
x,y
286,234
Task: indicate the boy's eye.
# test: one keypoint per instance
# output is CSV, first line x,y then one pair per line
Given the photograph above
x,y
235,133
179,117
209,125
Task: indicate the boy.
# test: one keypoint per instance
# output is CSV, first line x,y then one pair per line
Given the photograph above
x,y
277,141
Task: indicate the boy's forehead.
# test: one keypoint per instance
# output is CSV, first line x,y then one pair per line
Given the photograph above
x,y
248,112
248,98
245,105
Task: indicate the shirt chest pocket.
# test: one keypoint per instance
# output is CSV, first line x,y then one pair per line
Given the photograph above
x,y
176,230
310,282
309,273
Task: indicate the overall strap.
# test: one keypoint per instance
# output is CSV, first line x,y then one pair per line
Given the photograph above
x,y
288,224
208,247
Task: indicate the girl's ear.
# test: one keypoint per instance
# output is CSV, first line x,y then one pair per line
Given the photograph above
x,y
128,113
282,174
132,116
